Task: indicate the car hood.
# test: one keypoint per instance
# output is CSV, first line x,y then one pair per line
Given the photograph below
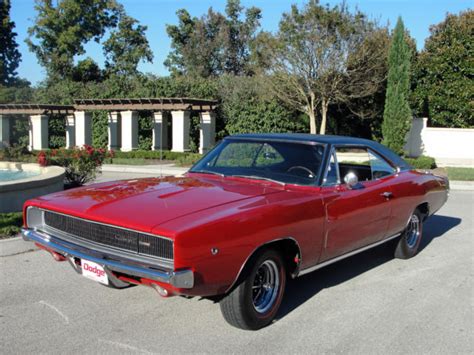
x,y
143,204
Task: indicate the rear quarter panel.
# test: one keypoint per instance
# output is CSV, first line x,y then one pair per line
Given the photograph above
x,y
411,189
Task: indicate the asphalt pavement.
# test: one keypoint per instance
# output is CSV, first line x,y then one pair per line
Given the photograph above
x,y
370,303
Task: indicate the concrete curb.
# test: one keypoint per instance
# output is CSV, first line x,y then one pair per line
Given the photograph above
x,y
462,185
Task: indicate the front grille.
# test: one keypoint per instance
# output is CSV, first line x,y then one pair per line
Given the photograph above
x,y
111,236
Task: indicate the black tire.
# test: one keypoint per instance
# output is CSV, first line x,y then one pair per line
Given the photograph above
x,y
251,306
409,242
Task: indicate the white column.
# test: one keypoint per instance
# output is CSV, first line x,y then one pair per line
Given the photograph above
x,y
38,132
70,131
113,131
207,132
129,130
83,128
30,135
4,131
160,131
181,122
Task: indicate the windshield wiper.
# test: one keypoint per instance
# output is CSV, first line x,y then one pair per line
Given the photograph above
x,y
256,177
207,172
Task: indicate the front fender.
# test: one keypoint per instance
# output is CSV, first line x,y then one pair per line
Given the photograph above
x,y
216,243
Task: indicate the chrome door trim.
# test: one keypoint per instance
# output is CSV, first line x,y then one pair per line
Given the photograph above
x,y
349,254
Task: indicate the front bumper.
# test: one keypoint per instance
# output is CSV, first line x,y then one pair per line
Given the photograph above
x,y
179,279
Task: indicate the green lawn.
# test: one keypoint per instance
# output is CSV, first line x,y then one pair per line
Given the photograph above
x,y
461,174
10,224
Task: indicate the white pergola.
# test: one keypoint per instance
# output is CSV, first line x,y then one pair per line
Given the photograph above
x,y
122,122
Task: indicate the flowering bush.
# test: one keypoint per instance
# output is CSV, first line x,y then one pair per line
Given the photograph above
x,y
81,164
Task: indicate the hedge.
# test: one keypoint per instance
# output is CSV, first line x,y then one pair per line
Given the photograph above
x,y
422,162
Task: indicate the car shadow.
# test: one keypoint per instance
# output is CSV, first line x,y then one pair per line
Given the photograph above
x,y
305,287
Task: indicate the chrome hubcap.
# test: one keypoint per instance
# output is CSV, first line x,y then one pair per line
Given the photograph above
x,y
265,286
413,231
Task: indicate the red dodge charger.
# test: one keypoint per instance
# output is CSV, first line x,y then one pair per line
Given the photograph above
x,y
257,209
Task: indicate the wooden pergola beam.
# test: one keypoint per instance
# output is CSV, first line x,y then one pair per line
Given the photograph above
x,y
34,109
140,104
126,104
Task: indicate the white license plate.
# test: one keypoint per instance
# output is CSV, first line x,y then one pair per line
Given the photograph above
x,y
94,271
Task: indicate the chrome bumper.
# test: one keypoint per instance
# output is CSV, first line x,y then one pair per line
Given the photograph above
x,y
179,279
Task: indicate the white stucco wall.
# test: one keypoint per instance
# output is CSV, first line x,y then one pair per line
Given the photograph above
x,y
449,146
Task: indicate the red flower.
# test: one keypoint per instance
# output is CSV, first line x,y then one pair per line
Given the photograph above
x,y
42,160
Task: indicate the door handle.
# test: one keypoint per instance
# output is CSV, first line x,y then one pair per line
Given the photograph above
x,y
388,195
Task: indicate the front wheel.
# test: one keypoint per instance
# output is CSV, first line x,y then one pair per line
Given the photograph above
x,y
254,303
409,242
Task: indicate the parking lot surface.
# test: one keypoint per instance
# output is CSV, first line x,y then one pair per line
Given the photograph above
x,y
369,303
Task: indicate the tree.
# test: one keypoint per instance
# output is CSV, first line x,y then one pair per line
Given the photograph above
x,y
247,108
62,30
9,55
322,56
444,85
126,47
397,113
213,44
87,70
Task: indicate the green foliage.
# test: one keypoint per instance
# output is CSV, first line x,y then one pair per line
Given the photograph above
x,y
248,109
81,164
20,92
14,152
19,131
10,224
145,126
397,112
62,29
324,55
87,70
215,43
10,57
151,154
422,162
444,73
139,157
57,131
126,47
100,137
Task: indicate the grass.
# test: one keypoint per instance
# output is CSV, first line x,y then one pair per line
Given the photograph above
x,y
10,224
460,174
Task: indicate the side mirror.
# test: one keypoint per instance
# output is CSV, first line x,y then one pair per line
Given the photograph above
x,y
351,180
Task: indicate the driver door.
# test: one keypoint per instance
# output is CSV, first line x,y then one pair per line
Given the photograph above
x,y
357,216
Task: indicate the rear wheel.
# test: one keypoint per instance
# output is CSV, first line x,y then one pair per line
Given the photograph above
x,y
254,303
409,242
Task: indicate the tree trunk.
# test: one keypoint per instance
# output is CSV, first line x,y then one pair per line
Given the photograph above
x,y
312,122
324,113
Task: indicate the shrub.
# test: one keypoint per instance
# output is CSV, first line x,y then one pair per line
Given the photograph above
x,y
100,135
422,162
81,164
145,126
16,152
57,131
10,223
152,154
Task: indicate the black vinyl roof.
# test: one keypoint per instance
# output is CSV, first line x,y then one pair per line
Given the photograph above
x,y
329,140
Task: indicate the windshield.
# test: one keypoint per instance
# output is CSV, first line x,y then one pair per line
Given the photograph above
x,y
283,162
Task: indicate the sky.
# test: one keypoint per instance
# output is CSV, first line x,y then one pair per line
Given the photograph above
x,y
418,16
